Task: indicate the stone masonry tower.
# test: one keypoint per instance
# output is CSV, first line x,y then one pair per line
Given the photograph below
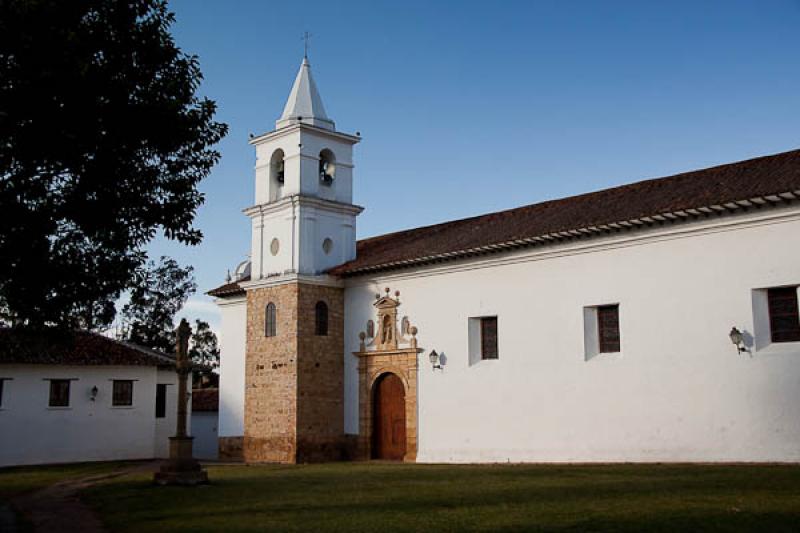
x,y
303,223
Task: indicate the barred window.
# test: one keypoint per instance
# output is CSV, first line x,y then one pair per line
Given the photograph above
x,y
122,393
59,393
489,337
321,319
270,321
608,328
784,322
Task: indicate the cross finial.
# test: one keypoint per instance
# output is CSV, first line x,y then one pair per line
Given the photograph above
x,y
306,37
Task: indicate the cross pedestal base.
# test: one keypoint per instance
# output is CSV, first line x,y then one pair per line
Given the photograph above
x,y
181,468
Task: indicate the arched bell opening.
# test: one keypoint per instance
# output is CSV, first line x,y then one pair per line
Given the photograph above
x,y
277,173
327,167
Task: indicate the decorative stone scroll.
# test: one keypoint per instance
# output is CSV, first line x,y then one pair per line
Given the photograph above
x,y
391,350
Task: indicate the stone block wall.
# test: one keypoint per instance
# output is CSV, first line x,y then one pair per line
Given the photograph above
x,y
270,401
295,380
320,376
230,448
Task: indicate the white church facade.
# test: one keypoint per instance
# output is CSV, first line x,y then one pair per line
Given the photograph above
x,y
655,321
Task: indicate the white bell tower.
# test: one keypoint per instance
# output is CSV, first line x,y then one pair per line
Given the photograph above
x,y
303,220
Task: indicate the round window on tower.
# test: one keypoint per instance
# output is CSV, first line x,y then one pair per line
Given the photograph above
x,y
327,246
274,246
327,167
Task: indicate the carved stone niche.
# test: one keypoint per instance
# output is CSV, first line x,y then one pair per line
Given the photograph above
x,y
391,351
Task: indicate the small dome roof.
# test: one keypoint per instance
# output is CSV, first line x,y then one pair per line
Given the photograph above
x,y
242,270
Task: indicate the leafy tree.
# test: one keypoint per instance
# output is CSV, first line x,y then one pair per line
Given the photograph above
x,y
204,351
159,292
103,141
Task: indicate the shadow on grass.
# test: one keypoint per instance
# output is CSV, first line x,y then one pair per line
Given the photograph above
x,y
413,497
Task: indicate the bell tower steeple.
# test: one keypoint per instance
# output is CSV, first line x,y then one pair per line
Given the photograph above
x,y
303,217
303,223
304,105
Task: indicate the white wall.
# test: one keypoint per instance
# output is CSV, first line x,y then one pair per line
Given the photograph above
x,y
232,341
166,426
87,430
678,391
205,432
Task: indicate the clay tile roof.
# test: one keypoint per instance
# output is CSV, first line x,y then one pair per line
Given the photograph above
x,y
20,346
229,289
712,189
205,400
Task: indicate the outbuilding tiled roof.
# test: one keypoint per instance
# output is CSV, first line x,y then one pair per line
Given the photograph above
x,y
205,400
228,290
22,346
747,184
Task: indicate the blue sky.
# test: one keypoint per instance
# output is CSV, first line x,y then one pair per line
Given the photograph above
x,y
472,107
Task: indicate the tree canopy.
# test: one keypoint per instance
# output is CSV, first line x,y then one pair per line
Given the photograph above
x,y
204,349
103,141
159,291
204,352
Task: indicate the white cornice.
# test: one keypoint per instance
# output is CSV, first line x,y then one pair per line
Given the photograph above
x,y
275,134
228,301
303,201
283,279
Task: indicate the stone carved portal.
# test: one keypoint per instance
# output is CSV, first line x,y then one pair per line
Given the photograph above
x,y
387,365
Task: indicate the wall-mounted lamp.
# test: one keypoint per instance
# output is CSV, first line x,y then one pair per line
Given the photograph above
x,y
737,339
93,393
434,357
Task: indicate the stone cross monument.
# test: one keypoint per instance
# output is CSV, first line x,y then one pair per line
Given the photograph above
x,y
181,468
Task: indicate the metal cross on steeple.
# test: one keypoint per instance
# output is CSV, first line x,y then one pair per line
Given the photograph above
x,y
306,37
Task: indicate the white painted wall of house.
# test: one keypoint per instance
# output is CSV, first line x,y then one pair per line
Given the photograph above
x,y
204,430
33,433
232,341
166,426
678,391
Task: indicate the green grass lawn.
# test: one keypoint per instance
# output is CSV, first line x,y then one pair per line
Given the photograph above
x,y
397,497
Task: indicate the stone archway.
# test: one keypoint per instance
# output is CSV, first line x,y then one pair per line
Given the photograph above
x,y
389,418
389,353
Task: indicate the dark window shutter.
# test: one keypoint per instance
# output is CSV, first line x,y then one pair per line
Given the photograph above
x,y
489,337
784,321
122,393
59,393
161,400
608,328
321,319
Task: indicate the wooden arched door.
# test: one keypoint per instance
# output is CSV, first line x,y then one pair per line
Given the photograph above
x,y
389,419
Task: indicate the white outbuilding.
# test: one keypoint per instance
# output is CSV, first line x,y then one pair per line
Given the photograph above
x,y
73,397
